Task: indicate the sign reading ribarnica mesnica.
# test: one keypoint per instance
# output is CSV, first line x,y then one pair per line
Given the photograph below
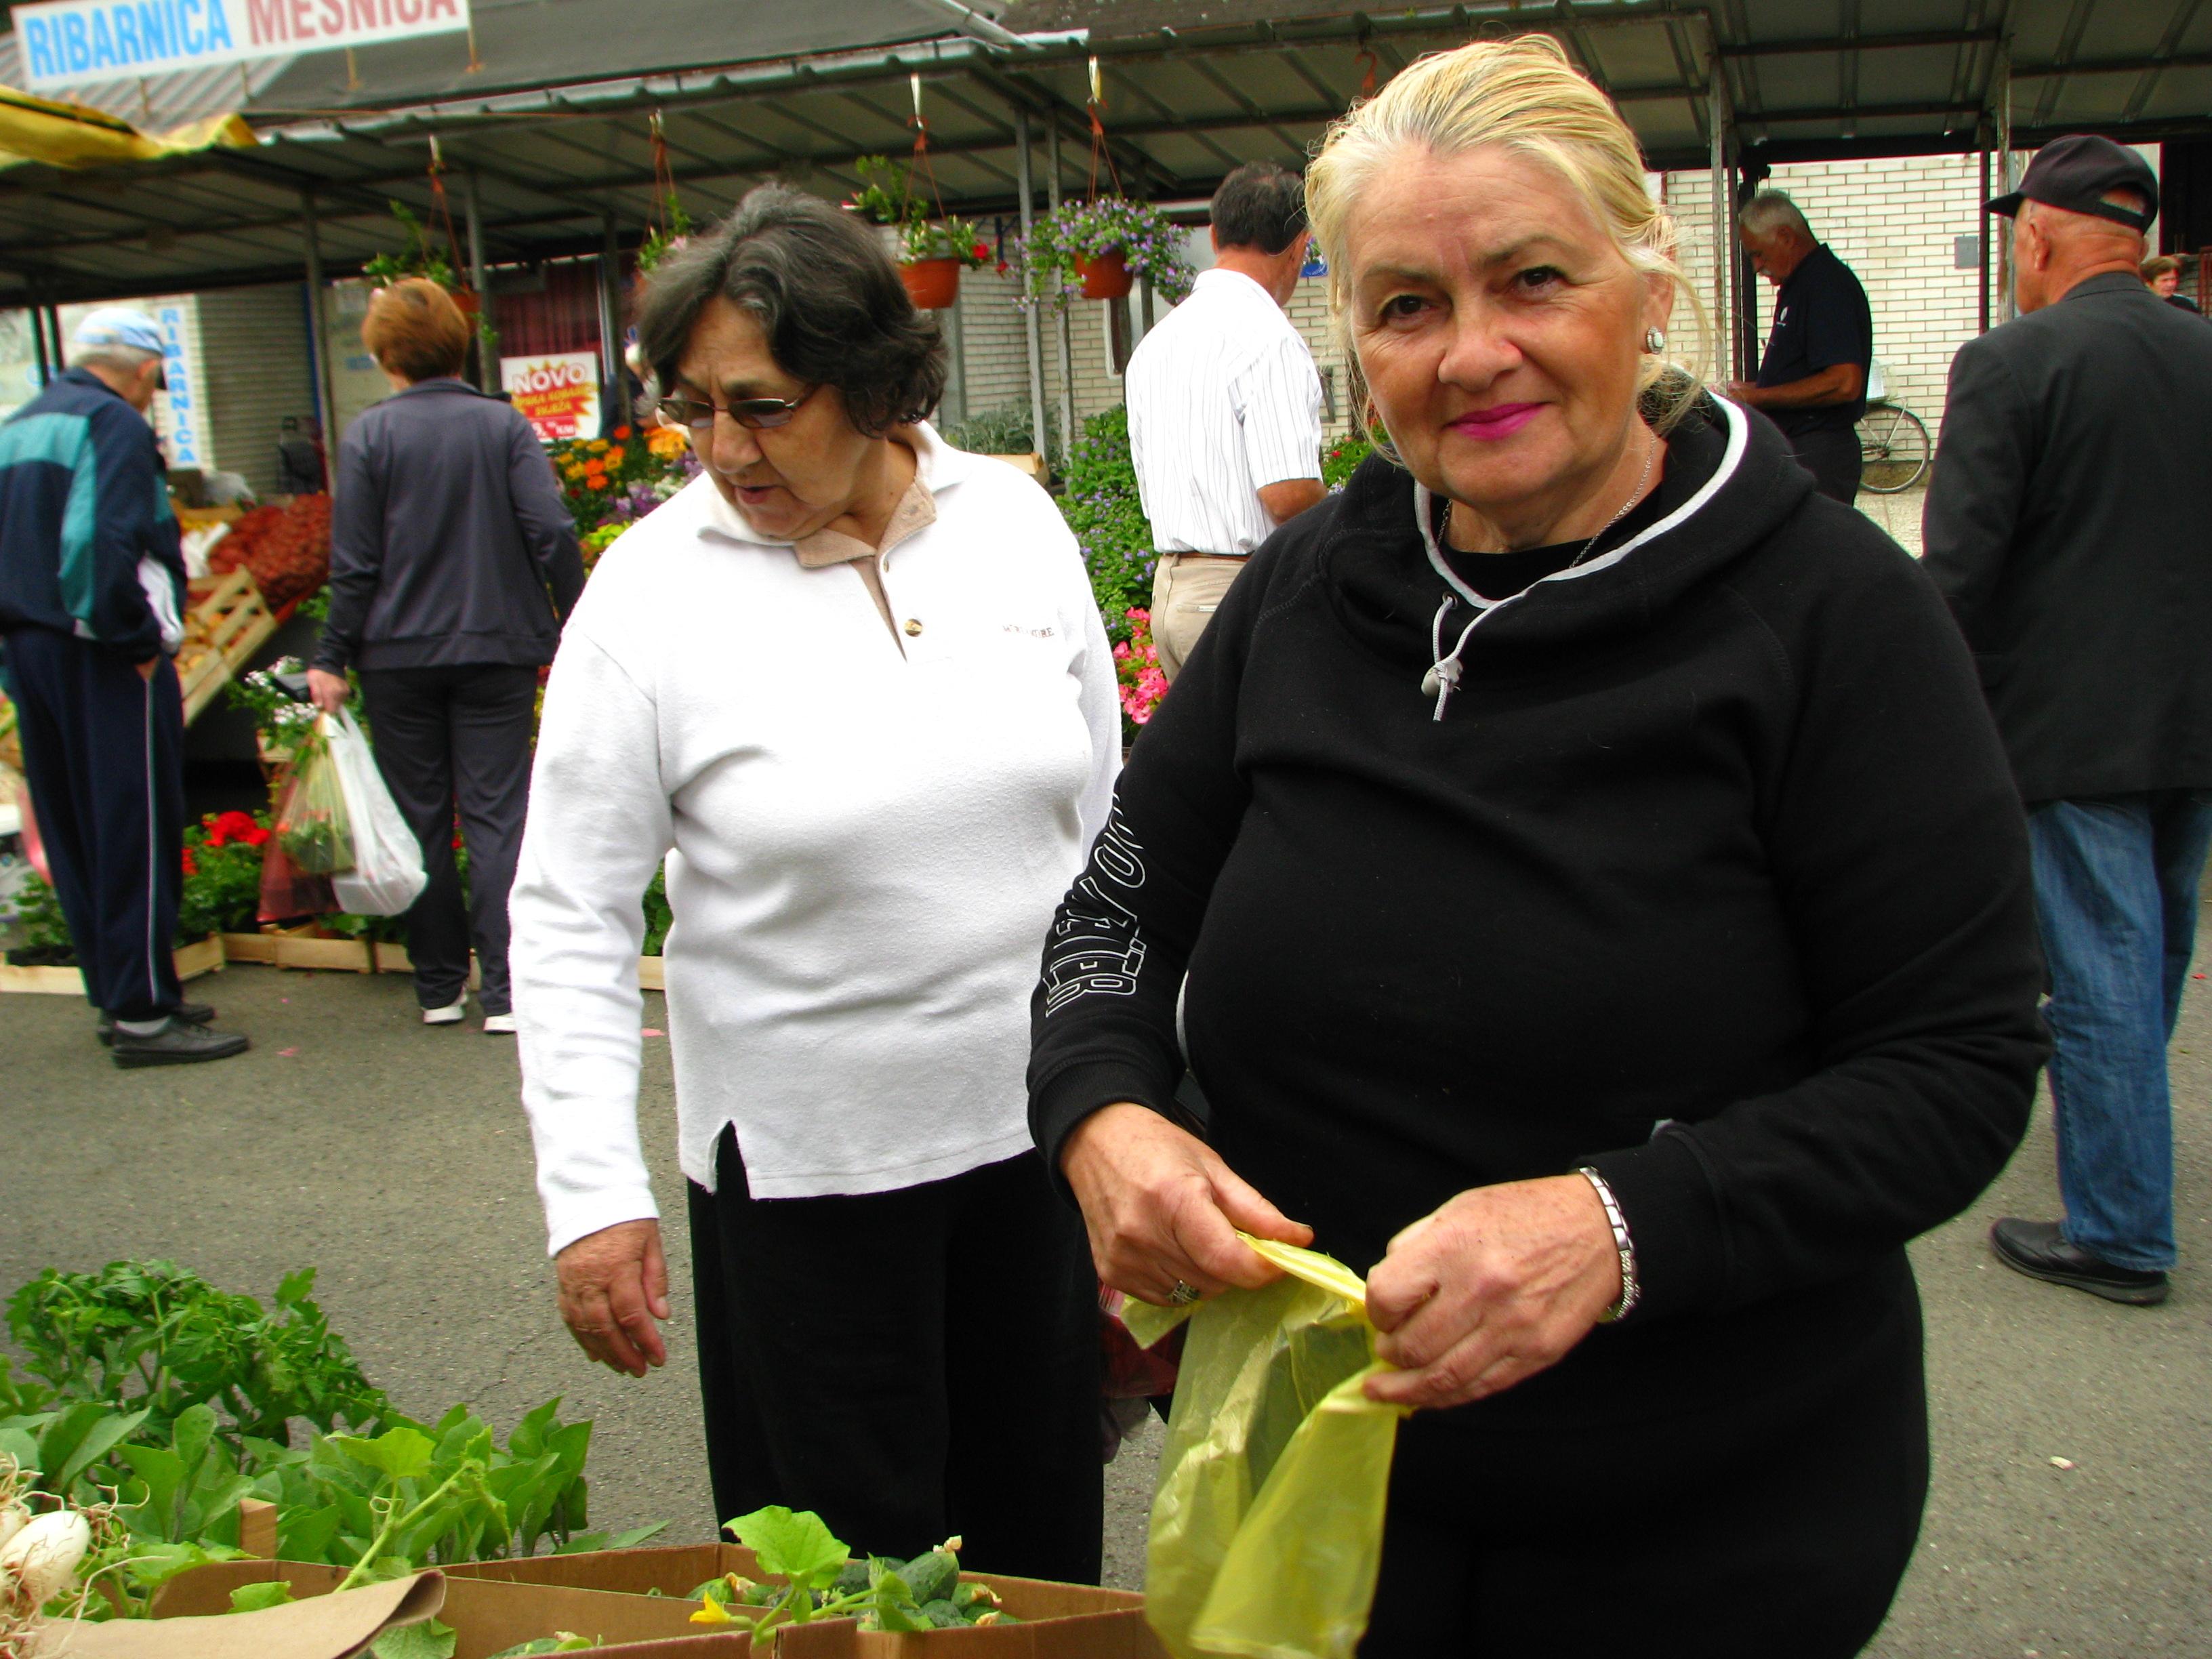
x,y
80,42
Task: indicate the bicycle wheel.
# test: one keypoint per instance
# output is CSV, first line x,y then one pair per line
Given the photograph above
x,y
1893,449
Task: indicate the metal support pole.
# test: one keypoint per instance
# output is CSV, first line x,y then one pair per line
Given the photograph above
x,y
487,365
2002,88
1982,226
1736,350
39,342
1037,428
318,349
1066,347
1723,241
610,345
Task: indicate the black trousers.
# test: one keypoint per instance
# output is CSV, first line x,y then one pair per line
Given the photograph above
x,y
1832,456
912,1365
450,738
103,750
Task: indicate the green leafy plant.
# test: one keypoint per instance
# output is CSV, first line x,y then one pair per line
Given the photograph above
x,y
221,889
1340,460
1006,430
658,917
1150,243
1102,506
820,1579
887,197
659,243
421,1495
46,929
152,1336
420,258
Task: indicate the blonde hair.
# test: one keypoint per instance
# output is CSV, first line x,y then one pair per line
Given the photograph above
x,y
1522,95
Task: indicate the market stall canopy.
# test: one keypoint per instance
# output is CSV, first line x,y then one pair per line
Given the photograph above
x,y
63,136
549,128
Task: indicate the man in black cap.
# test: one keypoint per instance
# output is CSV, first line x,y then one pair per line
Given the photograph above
x,y
1813,377
2066,526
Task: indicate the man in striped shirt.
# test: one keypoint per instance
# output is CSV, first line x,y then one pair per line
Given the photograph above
x,y
1224,408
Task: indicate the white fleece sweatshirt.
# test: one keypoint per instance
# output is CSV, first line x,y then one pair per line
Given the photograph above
x,y
870,834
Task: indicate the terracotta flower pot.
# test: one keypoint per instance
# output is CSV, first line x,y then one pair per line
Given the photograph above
x,y
932,284
1106,277
468,300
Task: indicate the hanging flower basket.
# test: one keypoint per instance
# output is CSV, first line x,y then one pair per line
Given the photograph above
x,y
1098,249
468,302
932,253
1105,278
932,284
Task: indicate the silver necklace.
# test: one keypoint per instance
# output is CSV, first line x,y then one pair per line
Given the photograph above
x,y
1650,454
1444,676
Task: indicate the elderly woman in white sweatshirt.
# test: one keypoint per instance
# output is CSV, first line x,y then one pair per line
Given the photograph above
x,y
852,684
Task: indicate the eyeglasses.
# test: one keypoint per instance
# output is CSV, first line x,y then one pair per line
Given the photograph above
x,y
754,413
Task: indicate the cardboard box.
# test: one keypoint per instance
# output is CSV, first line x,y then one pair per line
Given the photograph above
x,y
1059,1621
486,1615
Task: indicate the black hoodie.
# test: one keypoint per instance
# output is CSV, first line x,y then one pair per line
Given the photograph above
x,y
1710,874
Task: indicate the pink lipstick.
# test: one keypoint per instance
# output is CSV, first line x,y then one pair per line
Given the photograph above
x,y
1498,421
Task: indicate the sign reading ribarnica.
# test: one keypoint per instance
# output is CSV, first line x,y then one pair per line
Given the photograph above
x,y
76,42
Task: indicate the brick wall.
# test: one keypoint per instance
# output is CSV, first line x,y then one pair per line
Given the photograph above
x,y
994,356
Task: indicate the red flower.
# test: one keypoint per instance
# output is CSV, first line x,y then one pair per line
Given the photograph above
x,y
191,869
982,251
224,828
621,434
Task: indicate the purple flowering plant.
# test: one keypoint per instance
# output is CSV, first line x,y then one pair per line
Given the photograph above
x,y
1151,243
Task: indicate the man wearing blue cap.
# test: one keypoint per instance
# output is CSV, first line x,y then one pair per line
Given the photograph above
x,y
2066,526
92,587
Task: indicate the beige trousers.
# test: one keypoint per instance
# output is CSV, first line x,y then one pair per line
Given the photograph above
x,y
1187,590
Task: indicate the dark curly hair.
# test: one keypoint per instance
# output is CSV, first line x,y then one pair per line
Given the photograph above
x,y
824,293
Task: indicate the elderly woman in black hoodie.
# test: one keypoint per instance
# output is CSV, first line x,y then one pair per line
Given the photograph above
x,y
1606,924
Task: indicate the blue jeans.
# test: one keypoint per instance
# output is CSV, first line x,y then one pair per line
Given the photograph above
x,y
2116,901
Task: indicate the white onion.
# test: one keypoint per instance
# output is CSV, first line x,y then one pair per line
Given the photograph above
x,y
43,1555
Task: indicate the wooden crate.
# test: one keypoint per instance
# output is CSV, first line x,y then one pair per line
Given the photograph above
x,y
204,956
229,621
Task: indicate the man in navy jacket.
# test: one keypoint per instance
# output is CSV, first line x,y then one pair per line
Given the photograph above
x,y
2066,528
92,589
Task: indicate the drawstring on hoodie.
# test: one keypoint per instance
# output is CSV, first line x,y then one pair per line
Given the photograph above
x,y
1443,677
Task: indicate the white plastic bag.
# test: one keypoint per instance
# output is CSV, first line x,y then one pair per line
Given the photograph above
x,y
387,874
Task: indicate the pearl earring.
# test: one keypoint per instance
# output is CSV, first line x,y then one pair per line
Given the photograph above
x,y
1653,341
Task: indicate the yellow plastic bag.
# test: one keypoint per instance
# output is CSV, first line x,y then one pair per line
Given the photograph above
x,y
1268,1520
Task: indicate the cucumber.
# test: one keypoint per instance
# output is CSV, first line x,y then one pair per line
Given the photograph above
x,y
854,1581
942,1615
932,1577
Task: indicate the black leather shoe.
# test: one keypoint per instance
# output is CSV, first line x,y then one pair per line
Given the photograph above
x,y
2039,1249
179,1042
192,1013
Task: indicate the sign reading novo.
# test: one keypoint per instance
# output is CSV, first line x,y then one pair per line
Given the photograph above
x,y
557,394
71,42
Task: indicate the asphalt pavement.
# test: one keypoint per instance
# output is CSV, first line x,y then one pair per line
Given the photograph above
x,y
396,1160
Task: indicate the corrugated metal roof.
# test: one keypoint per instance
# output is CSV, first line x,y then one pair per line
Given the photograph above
x,y
554,128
